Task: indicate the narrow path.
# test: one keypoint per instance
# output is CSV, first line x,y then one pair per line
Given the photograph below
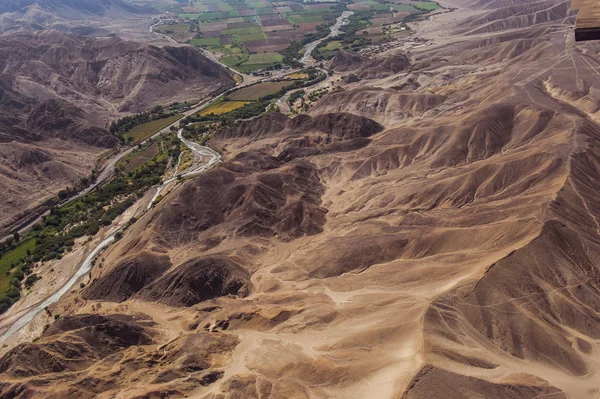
x,y
86,265
201,151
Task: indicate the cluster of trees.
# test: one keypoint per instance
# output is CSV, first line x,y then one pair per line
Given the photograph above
x,y
81,184
295,95
56,234
292,53
349,38
258,107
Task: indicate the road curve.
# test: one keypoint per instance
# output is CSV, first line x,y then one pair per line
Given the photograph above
x,y
86,265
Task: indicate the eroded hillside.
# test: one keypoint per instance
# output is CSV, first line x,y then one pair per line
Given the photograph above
x,y
58,94
431,230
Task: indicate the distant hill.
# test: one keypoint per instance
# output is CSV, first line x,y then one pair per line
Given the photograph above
x,y
91,7
58,93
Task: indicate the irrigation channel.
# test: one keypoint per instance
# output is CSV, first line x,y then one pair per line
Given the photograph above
x,y
200,152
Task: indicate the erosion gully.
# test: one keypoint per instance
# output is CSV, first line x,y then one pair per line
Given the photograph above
x,y
211,156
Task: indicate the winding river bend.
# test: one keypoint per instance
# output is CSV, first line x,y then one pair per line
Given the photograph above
x,y
212,157
335,30
205,152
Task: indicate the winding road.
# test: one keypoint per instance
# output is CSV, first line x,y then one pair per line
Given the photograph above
x,y
201,151
212,159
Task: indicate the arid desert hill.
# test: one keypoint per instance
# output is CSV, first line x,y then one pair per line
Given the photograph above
x,y
77,16
432,230
58,94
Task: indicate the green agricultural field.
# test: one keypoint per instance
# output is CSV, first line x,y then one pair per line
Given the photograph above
x,y
12,258
139,158
265,58
242,31
404,8
209,16
428,6
234,56
257,91
333,45
145,130
260,61
264,11
189,16
376,6
252,36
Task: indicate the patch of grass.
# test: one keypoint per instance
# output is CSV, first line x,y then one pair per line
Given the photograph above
x,y
145,130
138,158
403,8
257,91
306,18
252,37
12,258
254,62
209,16
333,45
428,6
264,11
264,58
224,7
189,16
242,31
222,107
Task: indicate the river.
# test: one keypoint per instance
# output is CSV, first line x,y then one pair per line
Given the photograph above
x,y
86,265
335,30
213,158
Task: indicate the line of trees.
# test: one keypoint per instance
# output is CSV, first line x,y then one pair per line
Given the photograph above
x,y
121,126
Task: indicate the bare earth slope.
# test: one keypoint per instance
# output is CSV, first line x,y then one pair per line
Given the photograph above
x,y
89,17
430,231
58,93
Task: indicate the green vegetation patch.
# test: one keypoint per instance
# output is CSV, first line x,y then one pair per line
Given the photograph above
x,y
428,6
252,37
265,58
242,31
255,92
11,259
404,8
138,158
209,16
189,16
145,130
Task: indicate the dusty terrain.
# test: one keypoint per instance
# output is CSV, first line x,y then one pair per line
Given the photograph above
x,y
81,17
430,231
59,93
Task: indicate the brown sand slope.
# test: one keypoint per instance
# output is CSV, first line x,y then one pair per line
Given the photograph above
x,y
58,93
442,243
